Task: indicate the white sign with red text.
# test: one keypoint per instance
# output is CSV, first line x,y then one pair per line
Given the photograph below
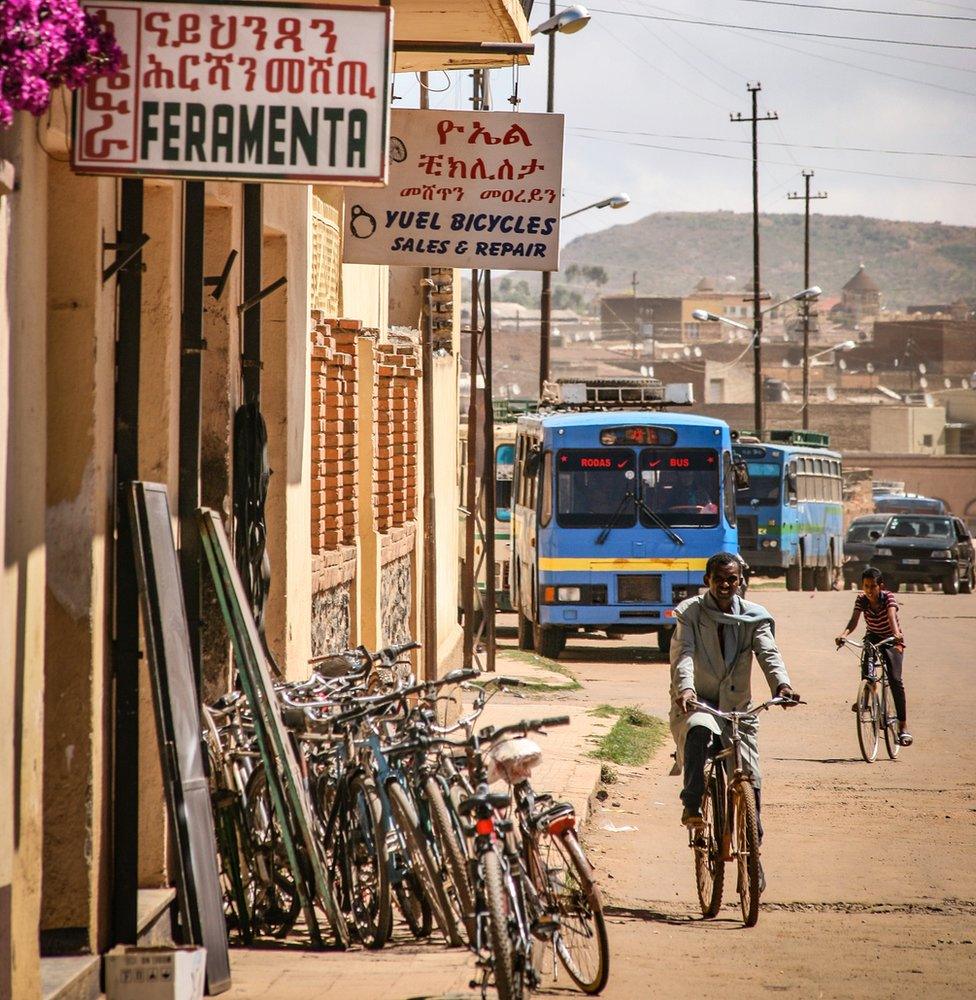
x,y
470,189
247,91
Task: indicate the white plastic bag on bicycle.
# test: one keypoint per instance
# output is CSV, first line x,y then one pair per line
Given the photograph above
x,y
513,760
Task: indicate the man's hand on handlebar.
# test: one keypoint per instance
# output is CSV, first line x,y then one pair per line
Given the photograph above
x,y
686,700
786,692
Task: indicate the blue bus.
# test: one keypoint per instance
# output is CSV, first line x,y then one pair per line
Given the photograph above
x,y
615,515
791,516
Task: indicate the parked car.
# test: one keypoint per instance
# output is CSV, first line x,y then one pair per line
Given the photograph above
x,y
859,543
919,548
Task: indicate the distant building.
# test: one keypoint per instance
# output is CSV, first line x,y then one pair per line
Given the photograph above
x,y
642,319
860,300
943,346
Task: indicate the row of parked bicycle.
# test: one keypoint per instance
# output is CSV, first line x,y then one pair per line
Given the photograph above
x,y
408,824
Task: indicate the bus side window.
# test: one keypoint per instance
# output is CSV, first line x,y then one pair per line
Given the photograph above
x,y
517,471
728,480
545,513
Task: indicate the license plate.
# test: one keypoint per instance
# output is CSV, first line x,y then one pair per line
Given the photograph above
x,y
911,562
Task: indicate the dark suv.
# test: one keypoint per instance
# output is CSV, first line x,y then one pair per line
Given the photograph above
x,y
921,548
859,543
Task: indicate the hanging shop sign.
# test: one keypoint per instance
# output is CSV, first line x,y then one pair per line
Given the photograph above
x,y
243,91
469,189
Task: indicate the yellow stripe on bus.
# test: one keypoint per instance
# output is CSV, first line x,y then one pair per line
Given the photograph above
x,y
554,564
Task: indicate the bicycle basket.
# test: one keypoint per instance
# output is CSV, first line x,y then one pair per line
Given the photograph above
x,y
513,760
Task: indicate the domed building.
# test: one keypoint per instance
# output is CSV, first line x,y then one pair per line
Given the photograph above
x,y
860,298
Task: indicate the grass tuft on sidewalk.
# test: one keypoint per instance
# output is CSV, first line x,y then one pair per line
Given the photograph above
x,y
632,739
543,663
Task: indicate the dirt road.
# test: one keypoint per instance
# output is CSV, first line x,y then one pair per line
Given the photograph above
x,y
871,869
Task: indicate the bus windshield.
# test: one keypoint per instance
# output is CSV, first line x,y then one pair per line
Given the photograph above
x,y
591,487
504,467
765,483
680,486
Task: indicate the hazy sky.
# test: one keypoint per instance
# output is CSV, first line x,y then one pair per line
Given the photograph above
x,y
623,76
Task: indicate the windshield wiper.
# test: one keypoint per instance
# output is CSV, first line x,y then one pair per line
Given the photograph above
x,y
611,524
660,522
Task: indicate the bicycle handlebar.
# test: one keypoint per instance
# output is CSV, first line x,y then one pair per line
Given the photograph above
x,y
867,642
700,706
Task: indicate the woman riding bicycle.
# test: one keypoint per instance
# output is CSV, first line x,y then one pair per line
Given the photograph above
x,y
880,610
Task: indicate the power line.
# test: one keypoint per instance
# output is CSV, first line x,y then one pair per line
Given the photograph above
x,y
789,145
783,163
859,10
782,31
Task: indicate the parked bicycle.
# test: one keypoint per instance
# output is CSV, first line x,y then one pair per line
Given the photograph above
x,y
731,821
875,705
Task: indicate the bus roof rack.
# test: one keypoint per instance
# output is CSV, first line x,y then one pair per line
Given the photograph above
x,y
615,393
804,439
509,410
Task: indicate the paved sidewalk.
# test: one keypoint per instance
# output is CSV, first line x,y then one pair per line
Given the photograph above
x,y
404,969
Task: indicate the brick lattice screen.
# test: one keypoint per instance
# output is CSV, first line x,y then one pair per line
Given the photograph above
x,y
326,257
395,476
334,440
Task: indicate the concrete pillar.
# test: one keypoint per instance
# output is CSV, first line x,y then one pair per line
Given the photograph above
x,y
220,398
368,605
158,462
23,238
80,394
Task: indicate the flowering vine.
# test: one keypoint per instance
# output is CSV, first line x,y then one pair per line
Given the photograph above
x,y
45,44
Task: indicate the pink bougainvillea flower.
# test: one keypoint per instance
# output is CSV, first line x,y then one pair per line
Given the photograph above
x,y
45,44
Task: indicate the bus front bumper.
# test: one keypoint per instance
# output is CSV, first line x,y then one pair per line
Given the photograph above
x,y
619,617
770,558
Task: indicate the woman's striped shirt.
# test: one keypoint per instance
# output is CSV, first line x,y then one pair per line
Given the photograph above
x,y
876,617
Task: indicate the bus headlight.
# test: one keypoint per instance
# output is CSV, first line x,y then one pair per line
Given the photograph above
x,y
568,594
770,543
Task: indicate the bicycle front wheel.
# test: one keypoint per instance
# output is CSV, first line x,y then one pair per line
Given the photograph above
x,y
889,719
421,862
707,844
581,940
500,940
454,867
747,852
868,721
368,865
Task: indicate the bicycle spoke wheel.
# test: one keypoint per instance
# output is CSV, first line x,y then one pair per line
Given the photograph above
x,y
747,852
499,937
413,905
889,719
707,845
452,858
421,862
365,845
581,937
276,904
867,721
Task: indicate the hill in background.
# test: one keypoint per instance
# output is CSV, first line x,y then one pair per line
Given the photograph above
x,y
912,262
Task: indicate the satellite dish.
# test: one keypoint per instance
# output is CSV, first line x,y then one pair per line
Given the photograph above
x,y
965,383
516,388
842,365
923,382
644,370
786,363
592,336
948,383
869,368
895,362
686,352
922,369
697,352
831,394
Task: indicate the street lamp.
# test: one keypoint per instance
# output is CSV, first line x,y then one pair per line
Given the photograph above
x,y
568,21
844,345
702,315
614,201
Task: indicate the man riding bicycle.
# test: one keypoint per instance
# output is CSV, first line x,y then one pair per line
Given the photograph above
x,y
711,661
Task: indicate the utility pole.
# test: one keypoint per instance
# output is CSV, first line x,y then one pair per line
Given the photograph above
x,y
757,323
635,334
545,304
806,197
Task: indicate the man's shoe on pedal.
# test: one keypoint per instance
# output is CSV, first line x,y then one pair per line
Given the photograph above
x,y
692,818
